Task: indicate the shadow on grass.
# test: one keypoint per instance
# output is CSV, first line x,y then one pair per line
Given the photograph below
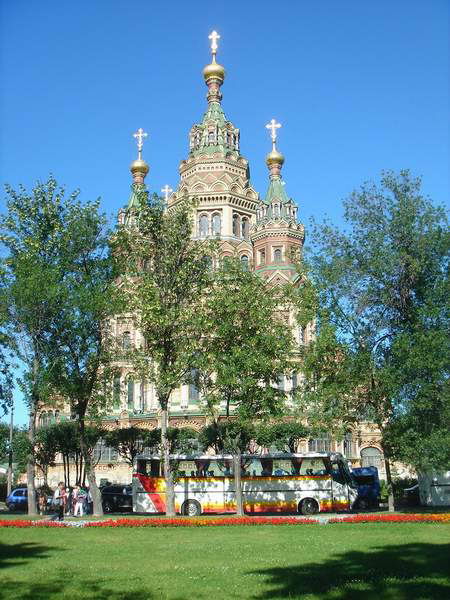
x,y
406,572
12,555
79,588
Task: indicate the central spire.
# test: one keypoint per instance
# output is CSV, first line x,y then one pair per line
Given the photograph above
x,y
214,73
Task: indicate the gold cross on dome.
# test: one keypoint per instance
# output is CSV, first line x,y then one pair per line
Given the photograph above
x,y
214,36
273,126
166,190
140,135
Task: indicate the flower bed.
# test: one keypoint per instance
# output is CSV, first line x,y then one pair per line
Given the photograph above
x,y
388,518
230,521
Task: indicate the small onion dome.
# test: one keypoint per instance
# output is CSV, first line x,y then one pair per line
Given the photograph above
x,y
274,158
139,166
214,70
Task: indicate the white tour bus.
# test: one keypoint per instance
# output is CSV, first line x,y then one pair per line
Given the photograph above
x,y
274,483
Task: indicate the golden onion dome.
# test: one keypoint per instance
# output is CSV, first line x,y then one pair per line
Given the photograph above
x,y
139,166
274,158
214,70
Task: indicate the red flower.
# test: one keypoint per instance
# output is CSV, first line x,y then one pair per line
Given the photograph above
x,y
229,521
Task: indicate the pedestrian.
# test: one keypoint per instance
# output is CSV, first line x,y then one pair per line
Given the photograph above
x,y
75,492
42,502
80,500
89,502
59,502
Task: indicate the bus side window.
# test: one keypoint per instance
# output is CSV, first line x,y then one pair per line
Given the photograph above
x,y
312,466
337,473
154,468
141,467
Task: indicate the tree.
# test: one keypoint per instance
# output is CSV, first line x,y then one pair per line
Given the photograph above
x,y
381,348
45,451
163,282
285,436
58,327
247,346
131,441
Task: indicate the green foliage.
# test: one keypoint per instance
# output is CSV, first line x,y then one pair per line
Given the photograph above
x,y
58,327
56,284
285,436
227,436
246,343
21,450
131,441
382,347
20,447
163,283
183,440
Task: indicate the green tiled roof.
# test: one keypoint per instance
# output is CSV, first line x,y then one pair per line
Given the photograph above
x,y
276,191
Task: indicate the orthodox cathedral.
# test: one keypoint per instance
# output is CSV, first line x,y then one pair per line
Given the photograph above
x,y
263,232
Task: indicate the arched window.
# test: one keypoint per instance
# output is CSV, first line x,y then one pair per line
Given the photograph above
x,y
207,260
57,416
236,225
211,137
349,446
203,225
116,392
244,228
277,255
126,340
42,419
216,224
371,457
244,262
262,257
193,391
276,210
130,393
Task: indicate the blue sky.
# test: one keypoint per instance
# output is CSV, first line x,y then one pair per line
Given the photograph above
x,y
358,87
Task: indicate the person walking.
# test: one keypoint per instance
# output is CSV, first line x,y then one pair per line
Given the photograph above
x,y
59,502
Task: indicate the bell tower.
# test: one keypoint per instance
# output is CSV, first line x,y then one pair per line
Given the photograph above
x,y
277,236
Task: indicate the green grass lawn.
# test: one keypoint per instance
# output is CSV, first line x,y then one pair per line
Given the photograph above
x,y
385,561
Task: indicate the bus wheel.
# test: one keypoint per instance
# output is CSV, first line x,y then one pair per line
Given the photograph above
x,y
308,506
191,508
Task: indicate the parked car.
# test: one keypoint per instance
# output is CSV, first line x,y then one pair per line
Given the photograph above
x,y
117,498
411,495
17,499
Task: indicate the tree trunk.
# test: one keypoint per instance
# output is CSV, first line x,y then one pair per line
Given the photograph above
x,y
31,465
391,503
168,476
90,473
238,483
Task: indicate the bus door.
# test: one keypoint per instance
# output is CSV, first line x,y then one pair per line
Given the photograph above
x,y
341,499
